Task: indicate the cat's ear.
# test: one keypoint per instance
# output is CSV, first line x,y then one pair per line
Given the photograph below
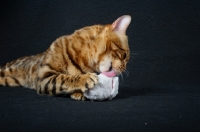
x,y
121,24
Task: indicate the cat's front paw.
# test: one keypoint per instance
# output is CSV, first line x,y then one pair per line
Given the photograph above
x,y
78,96
88,81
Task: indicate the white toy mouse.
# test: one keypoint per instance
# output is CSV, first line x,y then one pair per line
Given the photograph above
x,y
106,89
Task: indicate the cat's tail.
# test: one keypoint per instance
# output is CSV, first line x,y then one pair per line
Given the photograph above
x,y
21,72
8,77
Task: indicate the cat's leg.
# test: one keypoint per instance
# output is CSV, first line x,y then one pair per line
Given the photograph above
x,y
60,83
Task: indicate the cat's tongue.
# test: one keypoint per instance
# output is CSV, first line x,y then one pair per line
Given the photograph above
x,y
110,73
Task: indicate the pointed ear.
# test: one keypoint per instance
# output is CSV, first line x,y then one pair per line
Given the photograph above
x,y
121,24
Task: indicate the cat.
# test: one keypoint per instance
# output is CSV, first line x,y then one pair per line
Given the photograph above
x,y
71,64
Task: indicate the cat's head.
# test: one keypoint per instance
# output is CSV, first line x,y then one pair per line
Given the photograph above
x,y
106,46
112,46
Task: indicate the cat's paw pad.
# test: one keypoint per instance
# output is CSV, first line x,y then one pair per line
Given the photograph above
x,y
89,81
77,96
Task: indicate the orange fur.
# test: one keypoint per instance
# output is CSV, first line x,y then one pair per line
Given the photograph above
x,y
71,63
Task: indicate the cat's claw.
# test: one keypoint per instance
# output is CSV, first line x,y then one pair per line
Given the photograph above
x,y
89,80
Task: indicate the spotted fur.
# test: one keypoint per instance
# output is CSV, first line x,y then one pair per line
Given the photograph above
x,y
72,61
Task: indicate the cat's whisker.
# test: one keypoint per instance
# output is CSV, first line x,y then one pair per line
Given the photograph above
x,y
130,62
126,72
122,76
134,53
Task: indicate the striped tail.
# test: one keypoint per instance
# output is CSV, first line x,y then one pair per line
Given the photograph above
x,y
7,79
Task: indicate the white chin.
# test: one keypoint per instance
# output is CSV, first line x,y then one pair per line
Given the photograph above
x,y
104,68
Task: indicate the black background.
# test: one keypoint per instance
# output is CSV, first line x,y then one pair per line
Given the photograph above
x,y
161,91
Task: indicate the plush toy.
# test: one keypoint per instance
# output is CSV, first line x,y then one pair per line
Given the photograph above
x,y
106,89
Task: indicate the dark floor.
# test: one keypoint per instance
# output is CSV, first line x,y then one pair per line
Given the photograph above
x,y
167,108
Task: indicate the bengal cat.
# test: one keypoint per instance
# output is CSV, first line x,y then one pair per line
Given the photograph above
x,y
71,63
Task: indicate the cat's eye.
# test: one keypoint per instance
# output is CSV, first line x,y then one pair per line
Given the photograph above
x,y
110,69
124,56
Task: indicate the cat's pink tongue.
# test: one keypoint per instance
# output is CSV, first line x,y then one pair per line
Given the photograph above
x,y
110,73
